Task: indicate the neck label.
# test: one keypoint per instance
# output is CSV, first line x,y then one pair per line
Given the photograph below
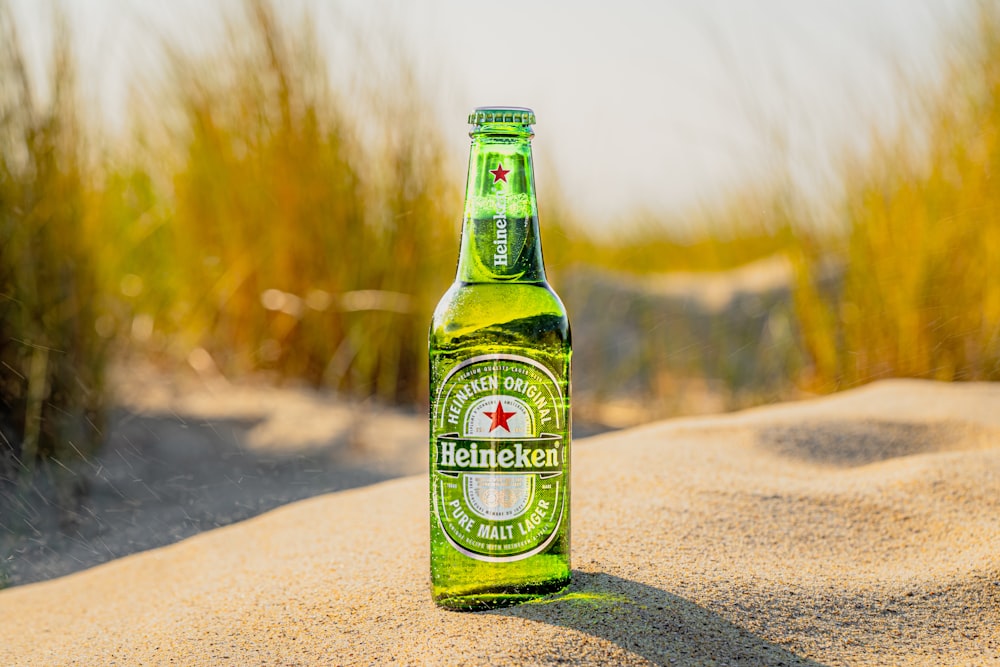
x,y
500,228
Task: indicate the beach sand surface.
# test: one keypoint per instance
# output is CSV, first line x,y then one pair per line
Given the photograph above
x,y
857,529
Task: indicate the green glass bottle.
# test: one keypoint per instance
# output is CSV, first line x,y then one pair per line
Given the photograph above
x,y
500,391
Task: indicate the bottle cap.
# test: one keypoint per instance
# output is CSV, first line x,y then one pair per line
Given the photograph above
x,y
517,115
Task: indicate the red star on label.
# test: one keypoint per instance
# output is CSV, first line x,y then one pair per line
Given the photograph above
x,y
499,174
499,417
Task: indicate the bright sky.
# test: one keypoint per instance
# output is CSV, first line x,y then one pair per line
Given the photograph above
x,y
641,103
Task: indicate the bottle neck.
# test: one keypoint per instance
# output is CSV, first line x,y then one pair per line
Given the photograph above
x,y
500,239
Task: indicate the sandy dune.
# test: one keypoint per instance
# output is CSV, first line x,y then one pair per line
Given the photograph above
x,y
860,529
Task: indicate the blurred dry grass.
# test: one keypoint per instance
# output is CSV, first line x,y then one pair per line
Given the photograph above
x,y
920,294
51,360
294,239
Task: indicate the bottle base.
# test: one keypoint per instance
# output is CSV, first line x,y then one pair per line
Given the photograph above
x,y
496,599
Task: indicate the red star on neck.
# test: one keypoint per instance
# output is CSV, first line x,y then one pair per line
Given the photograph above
x,y
499,417
499,174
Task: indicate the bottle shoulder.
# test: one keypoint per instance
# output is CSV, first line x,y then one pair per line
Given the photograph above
x,y
466,310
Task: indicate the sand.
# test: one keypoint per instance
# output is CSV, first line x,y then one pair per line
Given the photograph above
x,y
858,529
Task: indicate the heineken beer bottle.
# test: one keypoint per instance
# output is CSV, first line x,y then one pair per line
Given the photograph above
x,y
499,373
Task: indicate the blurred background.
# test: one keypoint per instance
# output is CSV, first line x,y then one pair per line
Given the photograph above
x,y
740,204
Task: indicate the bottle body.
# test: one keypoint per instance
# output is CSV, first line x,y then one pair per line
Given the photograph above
x,y
500,355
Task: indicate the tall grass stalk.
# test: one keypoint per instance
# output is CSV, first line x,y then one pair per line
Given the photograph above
x,y
51,357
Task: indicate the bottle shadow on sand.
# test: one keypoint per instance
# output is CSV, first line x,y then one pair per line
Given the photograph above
x,y
661,627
